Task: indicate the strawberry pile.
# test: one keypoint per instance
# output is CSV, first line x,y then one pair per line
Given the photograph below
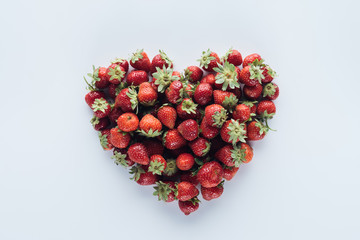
x,y
180,130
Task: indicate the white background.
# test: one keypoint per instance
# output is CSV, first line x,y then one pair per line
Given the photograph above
x,y
57,183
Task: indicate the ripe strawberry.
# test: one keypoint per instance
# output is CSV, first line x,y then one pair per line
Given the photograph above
x,y
193,74
189,129
140,61
185,161
213,192
174,92
92,95
226,76
200,146
269,74
189,90
241,113
100,123
165,191
256,130
98,78
271,91
186,191
121,157
252,106
157,164
203,94
162,78
171,168
115,73
251,75
128,122
210,174
248,152
251,58
118,138
122,63
232,131
215,115
113,90
207,131
153,147
159,61
150,126
147,96
167,116
187,109
266,109
234,155
226,99
209,60
101,107
229,172
254,92
138,153
126,100
136,77
142,176
188,207
210,78
115,114
104,137
233,56
172,139
189,177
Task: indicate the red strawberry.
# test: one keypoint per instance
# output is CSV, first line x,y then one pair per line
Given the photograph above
x,y
174,92
115,73
226,99
150,126
138,153
157,164
147,96
200,146
167,116
215,115
207,131
271,91
100,123
232,131
226,77
98,78
251,75
113,90
254,92
104,137
115,114
92,95
136,77
128,122
118,138
210,78
165,191
153,147
126,100
229,172
213,192
188,207
189,177
186,191
185,161
142,176
256,131
248,152
241,113
234,155
121,158
171,168
269,74
193,73
187,109
189,129
233,56
122,63
162,78
140,61
189,90
172,139
266,109
209,60
159,61
203,93
251,58
252,106
210,174
101,107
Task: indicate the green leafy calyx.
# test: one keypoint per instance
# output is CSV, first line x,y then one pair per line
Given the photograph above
x,y
238,155
219,117
137,55
206,59
100,104
162,190
237,131
189,106
120,159
137,171
227,76
164,77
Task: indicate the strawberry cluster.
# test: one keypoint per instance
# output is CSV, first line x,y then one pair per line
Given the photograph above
x,y
180,130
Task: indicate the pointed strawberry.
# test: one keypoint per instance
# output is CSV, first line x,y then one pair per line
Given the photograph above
x,y
121,158
226,99
213,192
251,58
229,172
254,92
128,122
104,137
127,100
186,191
157,164
101,107
232,131
147,96
226,76
122,63
150,126
167,116
140,61
210,174
188,207
172,139
138,153
241,113
162,78
174,92
159,61
193,74
203,94
119,138
165,191
136,77
115,73
271,91
185,161
100,123
209,60
215,115
200,146
256,130
189,129
233,56
187,109
142,176
207,131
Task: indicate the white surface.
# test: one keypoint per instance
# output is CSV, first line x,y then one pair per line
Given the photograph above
x,y
57,183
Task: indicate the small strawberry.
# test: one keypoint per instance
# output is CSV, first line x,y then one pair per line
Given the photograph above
x,y
150,126
229,172
119,138
203,94
159,61
210,174
210,78
232,155
121,158
153,147
251,75
165,191
115,114
128,122
142,176
140,61
193,73
186,191
189,129
251,58
187,109
171,168
254,92
215,115
233,56
100,123
104,137
147,96
189,177
172,139
256,130
167,116
200,146
213,192
209,60
232,131
162,78
101,107
266,109
269,74
226,76
115,73
271,91
188,207
138,153
127,100
136,77
174,92
241,113
122,63
185,161
157,164
207,131
99,78
226,99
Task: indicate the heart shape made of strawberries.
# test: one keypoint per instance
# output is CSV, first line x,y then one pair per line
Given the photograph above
x,y
179,131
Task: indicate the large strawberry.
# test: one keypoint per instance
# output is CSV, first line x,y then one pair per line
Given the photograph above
x,y
172,139
190,206
215,115
142,176
147,96
186,191
167,116
92,95
271,91
165,191
232,131
227,76
233,56
115,73
162,78
189,129
128,122
127,100
200,146
209,60
157,164
203,94
150,126
193,74
210,174
140,61
159,61
119,138
213,192
136,77
138,153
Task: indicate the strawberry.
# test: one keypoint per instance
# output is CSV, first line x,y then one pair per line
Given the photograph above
x,y
234,155
209,60
226,76
203,94
233,56
92,95
207,131
185,161
270,91
167,116
119,138
210,78
113,90
101,107
189,129
100,123
189,90
251,75
210,174
266,109
252,106
128,122
171,168
115,73
200,146
232,131
138,153
165,191
229,172
104,137
248,152
251,58
241,113
188,207
187,109
150,126
98,78
121,158
153,147
157,164
186,191
126,100
159,61
226,99
213,192
172,139
122,63
162,78
115,114
256,130
269,74
147,96
174,92
142,176
193,74
215,115
136,77
189,177
140,61
254,92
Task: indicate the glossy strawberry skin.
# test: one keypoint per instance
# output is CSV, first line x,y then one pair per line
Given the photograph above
x,y
103,80
210,78
136,77
250,59
253,132
186,191
249,153
213,63
147,178
254,92
194,73
200,146
150,122
224,155
189,129
229,173
207,131
212,193
185,161
119,139
173,139
210,111
203,94
123,101
153,147
241,113
210,174
167,116
142,64
91,96
124,64
235,58
112,90
138,153
245,77
157,61
173,91
147,95
267,106
183,114
128,122
188,207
